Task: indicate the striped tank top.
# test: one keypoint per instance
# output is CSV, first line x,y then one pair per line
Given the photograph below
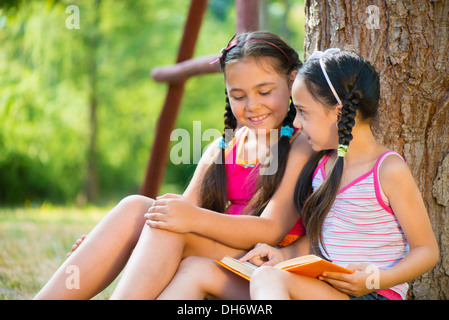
x,y
361,226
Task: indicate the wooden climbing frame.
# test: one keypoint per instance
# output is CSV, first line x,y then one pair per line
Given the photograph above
x,y
247,12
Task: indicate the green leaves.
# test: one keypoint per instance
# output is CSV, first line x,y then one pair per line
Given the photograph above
x,y
48,74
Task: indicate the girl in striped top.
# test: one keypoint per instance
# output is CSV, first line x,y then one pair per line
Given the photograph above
x,y
358,200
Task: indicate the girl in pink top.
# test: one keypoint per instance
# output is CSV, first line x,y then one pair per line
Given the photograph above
x,y
200,277
242,178
259,69
358,200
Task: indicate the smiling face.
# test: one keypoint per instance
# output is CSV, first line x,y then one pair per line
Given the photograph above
x,y
259,96
317,122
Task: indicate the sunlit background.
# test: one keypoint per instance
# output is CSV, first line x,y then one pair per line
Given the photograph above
x,y
51,77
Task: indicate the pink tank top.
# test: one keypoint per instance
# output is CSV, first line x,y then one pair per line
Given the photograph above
x,y
241,182
362,227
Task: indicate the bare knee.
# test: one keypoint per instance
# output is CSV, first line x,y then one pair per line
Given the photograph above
x,y
137,201
266,280
266,273
128,214
135,206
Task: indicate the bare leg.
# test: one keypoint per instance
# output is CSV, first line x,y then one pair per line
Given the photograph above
x,y
151,265
268,283
200,277
102,255
156,258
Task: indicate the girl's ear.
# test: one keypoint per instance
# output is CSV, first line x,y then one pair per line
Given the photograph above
x,y
338,112
292,78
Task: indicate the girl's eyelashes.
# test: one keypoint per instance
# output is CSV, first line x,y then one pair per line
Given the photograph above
x,y
239,98
300,110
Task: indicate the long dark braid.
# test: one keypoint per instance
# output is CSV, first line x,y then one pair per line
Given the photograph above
x,y
213,189
348,113
230,122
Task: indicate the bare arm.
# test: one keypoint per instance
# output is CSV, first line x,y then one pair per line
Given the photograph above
x,y
242,231
408,206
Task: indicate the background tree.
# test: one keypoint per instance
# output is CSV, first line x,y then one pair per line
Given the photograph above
x,y
407,41
78,107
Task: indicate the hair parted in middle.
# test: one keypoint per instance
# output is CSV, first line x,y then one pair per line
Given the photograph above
x,y
257,44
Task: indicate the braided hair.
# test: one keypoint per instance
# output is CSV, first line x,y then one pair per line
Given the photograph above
x,y
213,188
357,84
213,192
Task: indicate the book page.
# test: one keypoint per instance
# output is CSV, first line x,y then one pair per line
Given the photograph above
x,y
297,261
246,267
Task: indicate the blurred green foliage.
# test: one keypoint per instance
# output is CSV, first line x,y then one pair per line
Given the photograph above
x,y
45,87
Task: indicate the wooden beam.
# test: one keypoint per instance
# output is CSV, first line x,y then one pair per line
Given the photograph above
x,y
165,125
247,12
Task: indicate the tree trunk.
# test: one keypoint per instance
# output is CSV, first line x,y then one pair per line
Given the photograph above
x,y
92,41
407,41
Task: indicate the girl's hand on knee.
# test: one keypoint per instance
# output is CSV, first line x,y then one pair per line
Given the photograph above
x,y
76,245
263,255
172,212
356,284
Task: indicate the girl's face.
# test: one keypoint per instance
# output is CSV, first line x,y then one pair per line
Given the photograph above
x,y
258,95
317,122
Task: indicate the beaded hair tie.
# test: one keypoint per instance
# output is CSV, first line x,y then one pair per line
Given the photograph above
x,y
342,150
287,131
222,144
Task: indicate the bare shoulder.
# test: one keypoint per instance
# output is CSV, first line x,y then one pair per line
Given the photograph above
x,y
393,165
395,175
300,149
300,152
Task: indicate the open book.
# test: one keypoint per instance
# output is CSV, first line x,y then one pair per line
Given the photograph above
x,y
309,265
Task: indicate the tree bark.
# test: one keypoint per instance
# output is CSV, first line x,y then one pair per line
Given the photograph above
x,y
408,45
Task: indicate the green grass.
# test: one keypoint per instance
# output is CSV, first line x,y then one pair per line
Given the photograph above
x,y
35,241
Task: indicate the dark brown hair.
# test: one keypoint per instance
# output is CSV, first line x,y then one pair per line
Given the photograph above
x,y
357,85
213,192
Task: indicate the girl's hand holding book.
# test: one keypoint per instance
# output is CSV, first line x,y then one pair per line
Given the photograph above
x,y
356,284
263,255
